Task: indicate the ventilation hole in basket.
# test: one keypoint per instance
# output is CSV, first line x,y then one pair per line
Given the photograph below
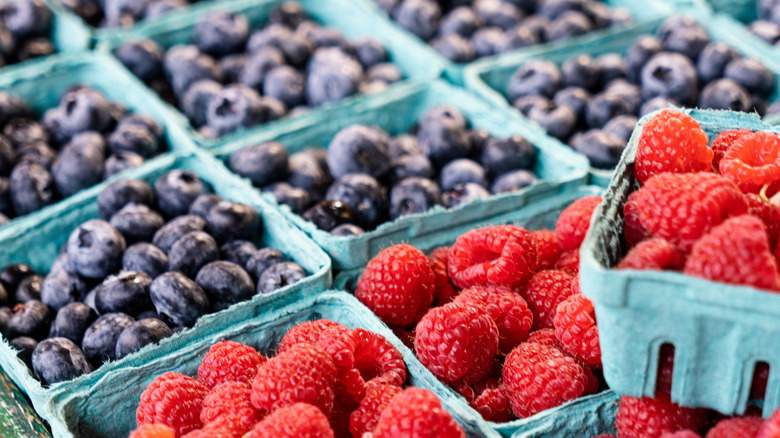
x,y
760,378
663,380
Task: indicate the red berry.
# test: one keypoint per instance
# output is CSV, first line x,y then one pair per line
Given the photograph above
x,y
575,285
671,142
470,391
365,417
538,377
295,421
547,248
752,161
569,262
493,405
769,215
634,231
213,430
665,370
303,373
651,418
508,309
172,399
723,143
230,405
681,434
771,427
735,252
504,255
683,207
152,431
457,342
576,330
308,332
229,361
416,413
406,336
397,285
546,290
741,427
760,380
545,337
654,254
574,221
444,291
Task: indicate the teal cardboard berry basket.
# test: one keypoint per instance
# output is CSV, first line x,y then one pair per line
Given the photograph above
x,y
719,331
491,82
351,21
38,241
558,167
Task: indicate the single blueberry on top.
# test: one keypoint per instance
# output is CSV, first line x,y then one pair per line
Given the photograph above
x,y
237,106
99,342
369,52
359,148
332,76
307,172
262,163
176,190
95,249
57,360
603,107
297,199
225,283
126,292
133,138
80,164
280,275
83,109
172,231
364,194
725,94
179,299
411,166
12,275
229,220
504,155
751,74
263,259
462,171
191,252
558,120
713,61
31,188
670,75
582,71
221,33
413,195
443,140
434,115
60,288
688,40
29,289
140,334
31,319
145,257
203,203
487,41
420,17
536,77
72,321
286,85
238,252
328,214
511,181
143,58
120,193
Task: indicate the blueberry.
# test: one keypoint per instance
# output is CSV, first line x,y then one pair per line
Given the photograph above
x,y
384,72
326,37
25,347
526,104
297,199
31,319
505,155
237,106
144,121
347,230
280,275
487,41
766,8
552,9
121,161
61,288
99,343
411,166
464,194
7,156
263,259
462,171
143,58
178,298
172,231
454,48
83,109
420,17
225,283
582,71
644,48
176,190
72,321
766,30
713,61
477,141
229,220
29,289
306,171
603,107
328,214
238,252
203,203
443,141
518,37
656,104
413,195
57,360
558,120
120,193
145,257
27,18
611,67
232,66
573,97
191,252
120,10
36,152
683,36
369,52
221,33
602,149
196,100
752,75
295,47
139,334
31,187
127,292
184,65
512,181
363,194
21,131
538,25
11,107
461,21
759,104
133,138
359,148
773,109
670,75
79,165
262,163
631,93
536,77
95,249
434,115
257,66
725,94
289,13
568,25
285,84
621,127
332,76
12,275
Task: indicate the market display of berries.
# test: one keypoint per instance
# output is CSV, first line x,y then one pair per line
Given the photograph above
x,y
365,177
465,30
593,104
75,145
25,31
122,13
710,212
158,259
324,381
232,76
496,316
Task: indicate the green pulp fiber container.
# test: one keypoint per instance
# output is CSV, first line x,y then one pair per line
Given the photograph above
x,y
719,331
37,242
558,167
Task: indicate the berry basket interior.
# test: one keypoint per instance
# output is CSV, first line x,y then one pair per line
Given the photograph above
x,y
37,242
342,15
719,331
558,168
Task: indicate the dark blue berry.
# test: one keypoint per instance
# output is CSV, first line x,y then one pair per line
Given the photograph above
x,y
263,259
25,347
408,166
420,17
751,74
140,334
61,288
121,161
31,319
307,171
203,203
656,104
333,76
326,37
280,275
581,71
31,187
454,47
99,342
713,61
143,58
145,257
29,289
285,84
412,196
290,14
404,144
176,190
644,48
262,163
462,171
505,155
120,193
443,112
464,194
126,292
95,249
462,21
257,66
512,181
369,52
602,149
631,93
443,140
359,148
238,252
487,41
347,230
671,75
622,127
295,47
225,283
568,25
536,77
179,299
766,30
237,106
725,94
72,321
133,138
229,220
7,156
57,360
232,66
518,37
36,152
22,130
611,67
221,33
5,316
83,109
191,252
683,35
172,231
297,199
558,120
79,165
27,18
328,214
137,222
573,97
384,72
364,194
186,64
603,107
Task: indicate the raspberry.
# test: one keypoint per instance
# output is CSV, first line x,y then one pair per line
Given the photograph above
x,y
406,336
416,413
365,417
569,262
152,431
508,310
681,434
574,221
213,430
575,328
683,207
741,427
753,161
470,391
397,285
308,332
768,213
457,342
504,255
634,231
651,418
654,254
546,290
723,143
545,337
547,248
771,427
538,377
671,142
229,361
172,399
294,421
444,291
735,252
230,405
303,373
665,371
493,405
575,285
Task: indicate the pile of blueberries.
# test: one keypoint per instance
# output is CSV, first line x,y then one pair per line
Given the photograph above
x,y
121,13
25,31
463,30
593,103
159,259
231,77
366,177
80,142
767,26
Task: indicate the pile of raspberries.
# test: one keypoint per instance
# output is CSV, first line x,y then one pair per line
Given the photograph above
x,y
498,316
325,381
